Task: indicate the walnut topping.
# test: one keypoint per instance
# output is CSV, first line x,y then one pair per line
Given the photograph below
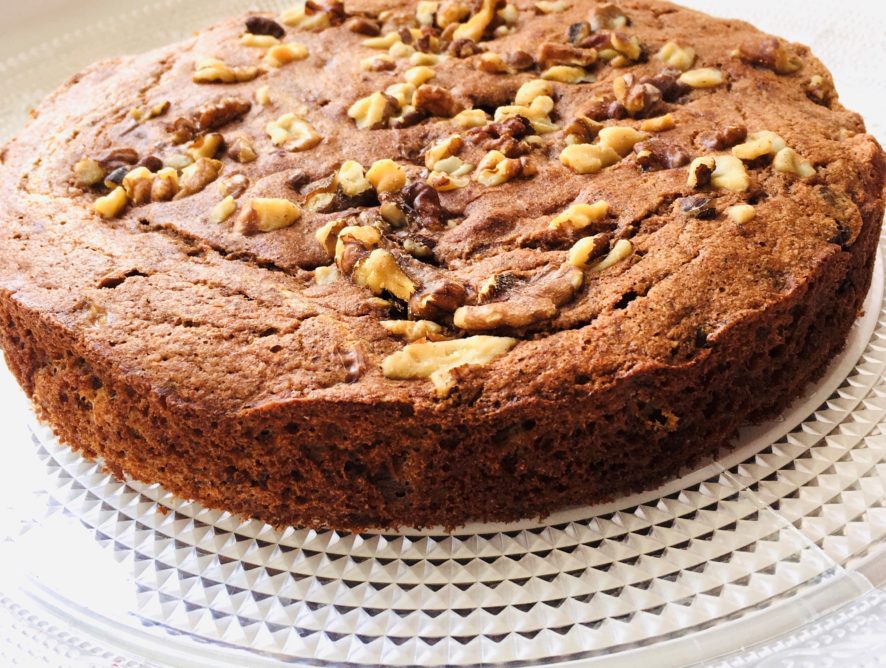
x,y
587,249
137,185
470,118
820,89
437,359
551,6
588,158
451,145
496,169
658,124
580,216
415,330
437,299
676,56
326,275
165,185
705,77
419,75
582,130
620,251
223,210
620,138
374,111
493,63
327,235
260,25
452,12
608,17
623,50
722,138
219,113
384,42
242,149
292,133
464,48
386,176
309,15
423,202
213,70
196,177
551,53
771,53
723,172
788,161
363,26
537,113
532,89
258,41
88,172
352,243
759,144
206,146
351,178
267,215
638,99
657,154
475,26
380,272
113,204
566,74
141,114
436,101
443,180
741,213
282,54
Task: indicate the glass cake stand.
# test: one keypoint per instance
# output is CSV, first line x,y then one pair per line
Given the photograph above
x,y
773,555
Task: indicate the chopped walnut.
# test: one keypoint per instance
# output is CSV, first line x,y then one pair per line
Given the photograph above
x,y
582,130
620,251
608,17
113,204
206,146
638,99
788,161
437,359
309,15
283,54
705,77
219,113
820,90
292,133
137,185
437,299
659,124
551,6
436,101
470,118
423,202
266,215
551,53
327,236
676,56
588,158
759,144
380,272
533,89
242,149
223,210
146,113
213,70
581,215
353,243
475,26
496,169
722,138
234,185
620,138
741,213
723,172
588,249
537,113
451,145
261,25
258,41
373,112
197,176
566,74
363,26
415,330
655,154
386,176
771,53
165,186
88,172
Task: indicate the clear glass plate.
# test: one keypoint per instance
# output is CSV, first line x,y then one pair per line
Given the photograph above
x,y
768,541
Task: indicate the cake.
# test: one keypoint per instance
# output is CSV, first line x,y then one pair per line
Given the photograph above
x,y
384,264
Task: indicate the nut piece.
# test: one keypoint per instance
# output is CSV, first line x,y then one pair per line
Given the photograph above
x,y
165,185
788,161
673,55
771,53
723,138
328,234
579,216
608,17
258,41
533,89
234,185
620,138
137,185
213,70
111,205
451,145
265,215
419,75
223,210
496,169
197,176
219,113
582,130
657,154
379,272
326,275
741,213
436,359
386,176
475,26
706,77
242,150
309,15
659,123
588,158
725,172
293,133
436,101
493,63
537,113
551,53
282,54
351,179
470,118
415,330
566,74
363,237
620,251
551,6
820,89
260,25
374,111
759,144
206,146
88,172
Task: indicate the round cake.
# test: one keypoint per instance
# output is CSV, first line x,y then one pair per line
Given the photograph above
x,y
375,264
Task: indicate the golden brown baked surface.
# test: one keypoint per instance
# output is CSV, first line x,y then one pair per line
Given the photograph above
x,y
419,263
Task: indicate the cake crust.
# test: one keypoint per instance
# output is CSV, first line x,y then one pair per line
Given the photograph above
x,y
237,340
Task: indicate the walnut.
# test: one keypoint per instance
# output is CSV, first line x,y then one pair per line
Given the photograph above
x,y
587,249
464,48
266,215
705,77
676,56
532,89
352,180
352,244
565,74
146,113
213,70
470,118
197,176
436,101
118,157
258,41
312,16
537,113
88,172
741,213
608,17
771,53
327,236
551,6
386,176
519,60
326,275
437,298
223,210
820,90
697,206
242,149
496,169
723,172
418,75
283,54
588,158
260,25
550,53
638,99
206,146
582,130
220,112
581,215
374,111
437,359
363,26
292,133
620,251
423,202
165,185
415,330
655,154
378,63
380,272
475,26
759,144
668,82
620,138
112,204
659,124
137,185
788,161
722,138
234,185
181,130
622,51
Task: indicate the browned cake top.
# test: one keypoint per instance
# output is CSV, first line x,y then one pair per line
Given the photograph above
x,y
429,203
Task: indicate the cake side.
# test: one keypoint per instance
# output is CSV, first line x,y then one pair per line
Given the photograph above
x,y
219,360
